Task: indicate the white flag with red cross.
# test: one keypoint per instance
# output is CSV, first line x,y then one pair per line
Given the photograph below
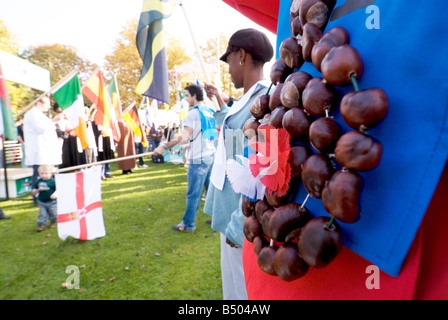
x,y
80,214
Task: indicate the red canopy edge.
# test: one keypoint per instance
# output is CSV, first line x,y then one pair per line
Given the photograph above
x,y
264,13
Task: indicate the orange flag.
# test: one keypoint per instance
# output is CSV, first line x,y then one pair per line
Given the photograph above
x,y
96,92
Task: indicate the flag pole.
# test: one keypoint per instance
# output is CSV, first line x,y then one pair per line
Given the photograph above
x,y
130,107
5,167
92,164
198,52
52,90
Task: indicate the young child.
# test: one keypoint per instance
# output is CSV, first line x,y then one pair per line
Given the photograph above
x,y
45,188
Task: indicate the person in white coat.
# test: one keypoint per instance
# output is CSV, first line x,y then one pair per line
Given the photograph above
x,y
41,140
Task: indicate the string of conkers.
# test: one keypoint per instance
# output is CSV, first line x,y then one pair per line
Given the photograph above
x,y
286,238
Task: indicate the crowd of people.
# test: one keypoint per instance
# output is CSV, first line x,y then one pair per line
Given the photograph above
x,y
48,141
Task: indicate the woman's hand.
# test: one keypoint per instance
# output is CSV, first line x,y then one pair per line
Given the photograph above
x,y
230,243
211,90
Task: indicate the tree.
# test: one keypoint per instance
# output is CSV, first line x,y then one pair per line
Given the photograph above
x,y
7,40
20,94
60,60
125,63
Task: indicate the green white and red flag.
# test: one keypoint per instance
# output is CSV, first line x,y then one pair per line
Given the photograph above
x,y
71,101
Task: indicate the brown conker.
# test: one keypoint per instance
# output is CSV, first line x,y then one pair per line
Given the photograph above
x,y
341,196
364,109
340,63
324,134
288,264
319,244
297,123
316,171
279,71
358,151
319,96
290,52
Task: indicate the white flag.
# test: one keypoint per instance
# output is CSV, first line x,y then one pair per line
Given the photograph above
x,y
80,214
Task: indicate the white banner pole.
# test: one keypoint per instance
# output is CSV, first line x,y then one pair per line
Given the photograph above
x,y
53,89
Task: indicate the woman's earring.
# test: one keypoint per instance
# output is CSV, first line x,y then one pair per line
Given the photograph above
x,y
241,63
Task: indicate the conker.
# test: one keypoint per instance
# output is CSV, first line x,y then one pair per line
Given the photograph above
x,y
297,157
277,116
250,128
252,228
340,63
266,259
324,134
319,52
316,171
341,196
337,35
334,37
260,106
297,123
294,9
287,262
358,151
296,27
314,11
311,35
318,243
265,222
259,243
318,97
275,100
260,207
287,218
364,109
295,83
247,206
265,121
274,200
291,53
279,72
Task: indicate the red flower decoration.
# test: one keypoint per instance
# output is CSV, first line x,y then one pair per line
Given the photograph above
x,y
271,160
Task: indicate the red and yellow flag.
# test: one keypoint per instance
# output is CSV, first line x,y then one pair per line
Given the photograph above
x,y
96,92
130,115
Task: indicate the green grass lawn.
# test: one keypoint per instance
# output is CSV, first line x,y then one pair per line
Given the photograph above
x,y
141,256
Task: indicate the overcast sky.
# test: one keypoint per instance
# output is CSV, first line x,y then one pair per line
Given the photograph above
x,y
93,26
